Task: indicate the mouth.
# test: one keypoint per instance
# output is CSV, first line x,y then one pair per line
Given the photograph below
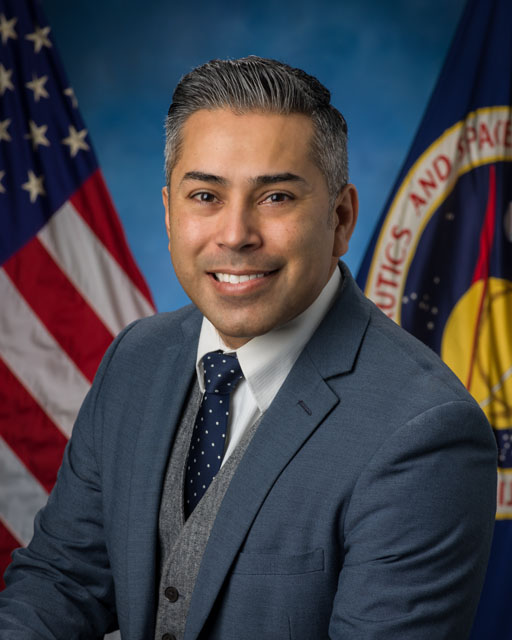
x,y
234,278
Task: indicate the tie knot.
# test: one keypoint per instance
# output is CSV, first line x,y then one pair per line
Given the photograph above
x,y
222,372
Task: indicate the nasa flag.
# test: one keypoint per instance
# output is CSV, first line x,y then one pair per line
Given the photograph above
x,y
440,260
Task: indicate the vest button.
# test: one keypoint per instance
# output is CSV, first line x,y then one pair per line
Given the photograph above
x,y
168,636
171,593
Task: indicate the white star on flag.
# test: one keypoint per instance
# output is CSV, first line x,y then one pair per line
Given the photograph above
x,y
71,94
4,134
2,188
37,86
76,141
5,80
40,38
7,28
34,186
37,135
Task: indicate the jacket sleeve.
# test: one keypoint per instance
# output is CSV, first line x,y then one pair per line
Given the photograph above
x,y
418,531
61,586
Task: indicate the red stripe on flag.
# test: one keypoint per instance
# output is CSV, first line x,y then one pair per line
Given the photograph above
x,y
60,307
28,431
94,204
7,545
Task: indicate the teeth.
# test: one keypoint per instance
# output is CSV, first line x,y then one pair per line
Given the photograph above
x,y
233,279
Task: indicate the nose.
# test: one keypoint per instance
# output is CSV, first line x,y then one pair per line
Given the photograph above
x,y
238,228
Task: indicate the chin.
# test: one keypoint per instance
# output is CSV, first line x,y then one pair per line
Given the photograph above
x,y
242,332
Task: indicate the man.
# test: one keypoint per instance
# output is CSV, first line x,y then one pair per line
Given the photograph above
x,y
278,460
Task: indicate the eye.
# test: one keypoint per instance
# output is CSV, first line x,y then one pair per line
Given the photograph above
x,y
277,198
203,196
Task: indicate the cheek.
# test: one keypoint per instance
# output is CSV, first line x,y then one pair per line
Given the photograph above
x,y
308,243
187,235
181,250
286,236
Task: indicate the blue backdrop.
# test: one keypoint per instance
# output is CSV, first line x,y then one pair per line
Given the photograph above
x,y
123,58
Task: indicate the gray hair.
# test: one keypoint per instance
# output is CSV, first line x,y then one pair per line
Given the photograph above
x,y
261,84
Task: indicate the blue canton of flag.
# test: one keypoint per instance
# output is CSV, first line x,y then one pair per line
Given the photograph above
x,y
440,261
40,135
68,282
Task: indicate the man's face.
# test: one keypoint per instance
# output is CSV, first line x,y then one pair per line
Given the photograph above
x,y
252,237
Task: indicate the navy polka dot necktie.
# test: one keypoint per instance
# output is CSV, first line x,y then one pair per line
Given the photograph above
x,y
221,375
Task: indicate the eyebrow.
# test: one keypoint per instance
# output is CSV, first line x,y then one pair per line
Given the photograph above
x,y
276,177
273,178
204,177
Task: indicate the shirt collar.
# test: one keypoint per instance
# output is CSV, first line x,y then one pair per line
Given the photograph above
x,y
266,360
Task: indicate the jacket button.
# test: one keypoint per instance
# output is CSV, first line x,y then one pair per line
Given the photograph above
x,y
168,636
171,593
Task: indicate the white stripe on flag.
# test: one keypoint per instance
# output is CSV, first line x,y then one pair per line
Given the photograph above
x,y
21,496
37,360
92,269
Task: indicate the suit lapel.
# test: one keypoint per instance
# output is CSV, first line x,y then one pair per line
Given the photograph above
x,y
300,406
156,433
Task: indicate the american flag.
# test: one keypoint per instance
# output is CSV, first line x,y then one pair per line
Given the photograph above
x,y
68,282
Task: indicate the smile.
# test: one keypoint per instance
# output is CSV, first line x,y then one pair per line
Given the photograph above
x,y
237,279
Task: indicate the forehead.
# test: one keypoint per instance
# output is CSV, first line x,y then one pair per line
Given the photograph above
x,y
225,139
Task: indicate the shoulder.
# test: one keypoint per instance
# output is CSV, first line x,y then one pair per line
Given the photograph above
x,y
392,372
402,360
154,333
139,349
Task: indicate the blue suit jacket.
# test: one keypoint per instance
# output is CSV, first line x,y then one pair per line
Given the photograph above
x,y
363,507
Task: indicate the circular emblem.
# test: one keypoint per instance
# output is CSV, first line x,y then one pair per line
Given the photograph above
x,y
442,266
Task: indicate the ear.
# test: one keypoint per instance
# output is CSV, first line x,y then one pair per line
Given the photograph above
x,y
345,216
165,199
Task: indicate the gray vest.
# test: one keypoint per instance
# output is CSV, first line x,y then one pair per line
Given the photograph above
x,y
182,544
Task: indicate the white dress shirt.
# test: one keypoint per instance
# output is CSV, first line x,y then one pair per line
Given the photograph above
x,y
265,361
